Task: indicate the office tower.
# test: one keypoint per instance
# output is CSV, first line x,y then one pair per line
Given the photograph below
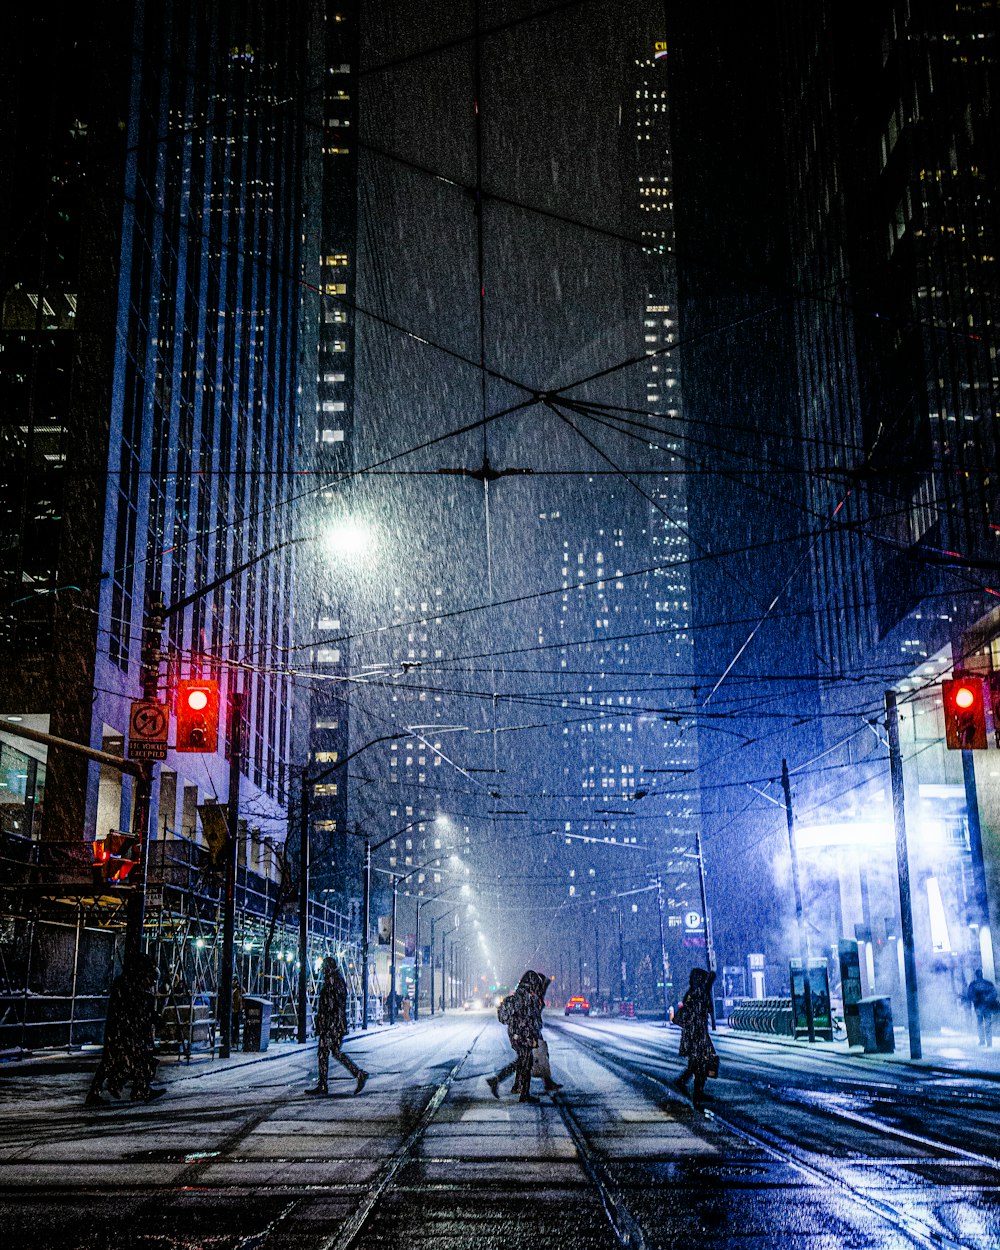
x,y
150,369
894,238
328,398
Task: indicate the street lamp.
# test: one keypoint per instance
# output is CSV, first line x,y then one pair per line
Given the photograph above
x,y
396,882
434,921
307,782
417,957
366,908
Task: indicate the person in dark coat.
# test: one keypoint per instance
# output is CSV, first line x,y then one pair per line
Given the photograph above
x,y
981,995
237,1011
129,1035
696,1044
331,1026
522,1014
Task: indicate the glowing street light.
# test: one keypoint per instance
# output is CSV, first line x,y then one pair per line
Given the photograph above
x,y
348,538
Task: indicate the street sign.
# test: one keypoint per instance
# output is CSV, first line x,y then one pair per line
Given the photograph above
x,y
148,723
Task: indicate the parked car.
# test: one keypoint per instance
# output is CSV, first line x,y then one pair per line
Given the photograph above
x,y
577,1006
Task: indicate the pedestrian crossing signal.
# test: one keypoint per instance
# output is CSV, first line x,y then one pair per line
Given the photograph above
x,y
197,716
115,856
964,701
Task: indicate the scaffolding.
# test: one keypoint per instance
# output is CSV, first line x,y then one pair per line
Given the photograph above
x,y
62,938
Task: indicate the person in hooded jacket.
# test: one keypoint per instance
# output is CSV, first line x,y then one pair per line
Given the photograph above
x,y
129,1035
696,1044
331,1026
522,1013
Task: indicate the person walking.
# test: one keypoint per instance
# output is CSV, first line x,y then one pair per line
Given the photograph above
x,y
129,1035
522,1014
331,1026
237,1012
696,1045
981,995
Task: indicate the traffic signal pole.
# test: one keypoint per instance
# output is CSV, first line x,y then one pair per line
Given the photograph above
x,y
392,957
142,791
304,866
903,872
225,986
366,924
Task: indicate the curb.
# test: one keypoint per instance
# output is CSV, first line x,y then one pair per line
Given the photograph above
x,y
84,1062
927,1064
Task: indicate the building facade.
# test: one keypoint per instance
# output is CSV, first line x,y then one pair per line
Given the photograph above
x,y
895,180
150,372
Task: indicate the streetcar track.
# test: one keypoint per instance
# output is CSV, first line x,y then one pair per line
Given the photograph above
x,y
348,1233
623,1223
834,1069
771,1144
798,1094
914,1227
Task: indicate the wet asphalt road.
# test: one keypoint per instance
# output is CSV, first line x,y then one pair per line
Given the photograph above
x,y
798,1150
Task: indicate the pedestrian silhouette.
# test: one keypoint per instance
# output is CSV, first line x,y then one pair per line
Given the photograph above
x,y
981,995
696,1045
331,1026
521,1012
129,1035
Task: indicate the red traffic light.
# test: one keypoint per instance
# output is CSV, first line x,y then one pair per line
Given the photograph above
x,y
115,856
197,716
964,701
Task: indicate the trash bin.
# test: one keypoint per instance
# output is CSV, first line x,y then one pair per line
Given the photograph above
x,y
256,1023
875,1015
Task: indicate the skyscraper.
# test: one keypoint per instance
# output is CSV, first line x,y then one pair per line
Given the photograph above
x,y
328,433
150,367
893,245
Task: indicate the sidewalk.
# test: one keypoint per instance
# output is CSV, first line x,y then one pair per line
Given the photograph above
x,y
948,1051
171,1067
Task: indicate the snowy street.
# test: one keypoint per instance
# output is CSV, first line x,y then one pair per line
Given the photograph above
x,y
813,1150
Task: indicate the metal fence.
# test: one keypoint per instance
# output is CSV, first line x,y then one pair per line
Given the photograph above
x,y
62,939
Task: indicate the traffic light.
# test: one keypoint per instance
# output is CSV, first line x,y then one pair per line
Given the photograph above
x,y
115,856
197,716
964,713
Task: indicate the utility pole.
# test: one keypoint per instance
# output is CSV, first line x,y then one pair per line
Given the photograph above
x,y
392,957
664,967
304,865
976,850
903,872
416,966
142,790
445,975
803,936
621,951
366,923
597,955
232,847
433,960
709,953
